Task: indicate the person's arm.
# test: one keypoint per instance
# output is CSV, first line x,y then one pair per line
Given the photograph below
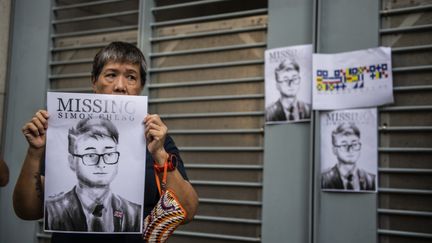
x,y
28,196
156,132
4,173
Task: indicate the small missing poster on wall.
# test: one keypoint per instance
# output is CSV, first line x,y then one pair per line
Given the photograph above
x,y
288,84
349,151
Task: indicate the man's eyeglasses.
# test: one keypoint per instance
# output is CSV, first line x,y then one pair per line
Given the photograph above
x,y
294,80
91,159
347,147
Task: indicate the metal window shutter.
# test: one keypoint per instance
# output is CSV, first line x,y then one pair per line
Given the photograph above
x,y
405,153
78,31
206,82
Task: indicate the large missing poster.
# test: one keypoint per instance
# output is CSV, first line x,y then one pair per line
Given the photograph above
x,y
352,79
288,84
95,163
349,150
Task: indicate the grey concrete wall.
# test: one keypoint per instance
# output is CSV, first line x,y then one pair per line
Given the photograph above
x,y
5,8
26,89
294,208
346,217
287,156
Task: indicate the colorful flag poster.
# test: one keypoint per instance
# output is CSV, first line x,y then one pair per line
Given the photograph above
x,y
352,79
94,163
349,150
288,84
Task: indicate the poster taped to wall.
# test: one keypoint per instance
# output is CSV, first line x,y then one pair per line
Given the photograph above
x,y
349,151
94,164
288,78
352,79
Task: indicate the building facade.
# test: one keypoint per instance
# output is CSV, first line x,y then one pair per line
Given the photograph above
x,y
256,183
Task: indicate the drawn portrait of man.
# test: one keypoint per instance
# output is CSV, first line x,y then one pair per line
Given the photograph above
x,y
347,173
288,84
91,205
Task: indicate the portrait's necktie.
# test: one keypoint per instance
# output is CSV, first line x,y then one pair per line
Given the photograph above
x,y
291,115
350,185
97,225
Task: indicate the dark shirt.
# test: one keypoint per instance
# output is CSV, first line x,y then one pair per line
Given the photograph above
x,y
151,197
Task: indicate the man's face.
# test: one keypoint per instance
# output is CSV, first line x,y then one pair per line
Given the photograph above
x,y
119,78
347,148
288,81
101,174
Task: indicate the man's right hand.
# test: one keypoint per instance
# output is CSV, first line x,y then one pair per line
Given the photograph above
x,y
35,130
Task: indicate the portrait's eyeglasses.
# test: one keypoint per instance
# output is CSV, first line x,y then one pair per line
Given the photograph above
x,y
91,159
347,147
294,80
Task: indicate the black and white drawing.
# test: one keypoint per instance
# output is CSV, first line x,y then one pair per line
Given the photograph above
x,y
288,84
349,150
95,163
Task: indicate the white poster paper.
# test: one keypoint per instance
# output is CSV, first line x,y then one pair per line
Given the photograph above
x,y
288,78
95,163
352,79
349,150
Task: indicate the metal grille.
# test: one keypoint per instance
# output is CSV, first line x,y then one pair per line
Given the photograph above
x,y
405,193
78,30
207,83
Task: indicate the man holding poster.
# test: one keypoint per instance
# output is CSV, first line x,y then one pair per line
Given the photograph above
x,y
118,69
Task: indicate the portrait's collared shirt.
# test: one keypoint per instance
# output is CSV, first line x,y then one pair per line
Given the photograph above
x,y
352,174
89,204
